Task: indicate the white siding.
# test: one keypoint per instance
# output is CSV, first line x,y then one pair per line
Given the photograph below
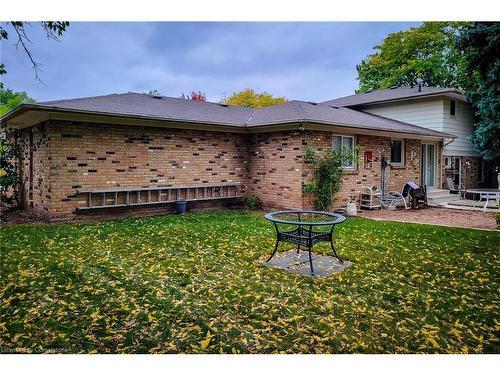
x,y
461,126
425,113
434,114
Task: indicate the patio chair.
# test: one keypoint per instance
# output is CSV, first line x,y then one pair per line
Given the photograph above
x,y
411,195
390,201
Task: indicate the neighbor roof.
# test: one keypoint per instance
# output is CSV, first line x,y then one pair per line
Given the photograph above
x,y
392,94
145,106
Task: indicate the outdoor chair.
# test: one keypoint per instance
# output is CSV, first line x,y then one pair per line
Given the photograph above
x,y
390,201
410,196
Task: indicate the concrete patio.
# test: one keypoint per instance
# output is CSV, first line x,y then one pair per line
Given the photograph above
x,y
293,262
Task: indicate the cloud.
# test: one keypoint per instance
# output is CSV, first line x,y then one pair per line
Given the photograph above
x,y
308,61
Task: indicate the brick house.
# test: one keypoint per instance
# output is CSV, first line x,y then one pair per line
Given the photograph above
x,y
135,154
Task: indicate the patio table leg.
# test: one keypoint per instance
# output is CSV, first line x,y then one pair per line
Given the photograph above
x,y
309,246
335,253
274,252
300,230
278,237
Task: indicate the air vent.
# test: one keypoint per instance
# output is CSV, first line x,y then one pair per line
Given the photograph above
x,y
224,105
157,96
334,106
313,103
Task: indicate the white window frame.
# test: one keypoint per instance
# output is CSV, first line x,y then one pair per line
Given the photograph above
x,y
447,162
342,136
402,162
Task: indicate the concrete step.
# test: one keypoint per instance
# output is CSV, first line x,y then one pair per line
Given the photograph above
x,y
431,193
443,195
444,198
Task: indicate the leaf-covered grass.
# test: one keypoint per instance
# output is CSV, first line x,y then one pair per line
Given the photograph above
x,y
193,284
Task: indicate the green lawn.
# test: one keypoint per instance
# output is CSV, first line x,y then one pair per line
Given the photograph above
x,y
193,284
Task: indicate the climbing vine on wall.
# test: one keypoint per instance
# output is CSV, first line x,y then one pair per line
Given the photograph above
x,y
328,168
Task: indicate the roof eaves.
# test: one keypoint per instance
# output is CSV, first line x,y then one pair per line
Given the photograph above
x,y
414,96
24,107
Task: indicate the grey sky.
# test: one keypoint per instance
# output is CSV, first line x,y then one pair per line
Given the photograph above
x,y
307,61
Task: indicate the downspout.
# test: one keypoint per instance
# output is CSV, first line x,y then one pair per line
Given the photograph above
x,y
441,175
446,144
301,130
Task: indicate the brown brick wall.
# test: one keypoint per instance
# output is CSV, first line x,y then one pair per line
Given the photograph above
x,y
275,168
69,157
470,171
470,166
98,156
369,174
34,159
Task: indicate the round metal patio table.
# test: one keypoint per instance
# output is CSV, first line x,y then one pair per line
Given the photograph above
x,y
302,233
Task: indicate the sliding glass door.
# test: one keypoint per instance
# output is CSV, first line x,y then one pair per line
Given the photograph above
x,y
429,164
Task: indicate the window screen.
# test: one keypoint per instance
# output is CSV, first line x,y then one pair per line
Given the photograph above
x,y
397,152
346,142
453,107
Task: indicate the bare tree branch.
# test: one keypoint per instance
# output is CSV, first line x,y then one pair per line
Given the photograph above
x,y
53,30
21,38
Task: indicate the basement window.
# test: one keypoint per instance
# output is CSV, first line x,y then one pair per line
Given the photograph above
x,y
453,107
347,142
397,152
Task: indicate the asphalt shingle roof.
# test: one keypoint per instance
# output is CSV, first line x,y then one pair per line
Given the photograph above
x,y
295,110
397,93
162,107
185,110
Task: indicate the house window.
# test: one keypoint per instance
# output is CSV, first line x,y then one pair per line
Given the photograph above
x,y
397,152
453,107
347,143
447,162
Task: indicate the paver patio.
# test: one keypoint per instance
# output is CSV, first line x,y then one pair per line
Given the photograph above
x,y
437,216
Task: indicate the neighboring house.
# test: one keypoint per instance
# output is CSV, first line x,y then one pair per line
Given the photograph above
x,y
137,153
441,109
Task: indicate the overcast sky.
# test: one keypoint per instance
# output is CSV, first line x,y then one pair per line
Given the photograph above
x,y
306,61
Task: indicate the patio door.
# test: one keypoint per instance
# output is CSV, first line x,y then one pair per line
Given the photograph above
x,y
429,165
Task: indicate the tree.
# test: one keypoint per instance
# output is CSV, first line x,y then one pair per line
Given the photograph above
x,y
481,46
196,96
10,100
249,98
53,30
153,92
9,177
428,52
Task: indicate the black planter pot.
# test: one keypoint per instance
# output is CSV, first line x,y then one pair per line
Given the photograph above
x,y
180,207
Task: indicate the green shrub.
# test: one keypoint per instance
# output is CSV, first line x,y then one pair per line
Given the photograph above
x,y
328,173
252,202
497,218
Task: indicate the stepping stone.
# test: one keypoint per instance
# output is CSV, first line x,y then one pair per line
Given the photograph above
x,y
293,262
